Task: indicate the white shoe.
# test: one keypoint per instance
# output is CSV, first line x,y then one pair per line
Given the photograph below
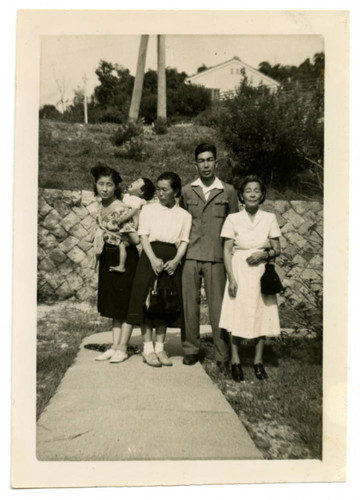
x,y
106,355
118,357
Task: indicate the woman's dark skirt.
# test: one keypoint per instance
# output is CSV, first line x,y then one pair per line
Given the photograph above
x,y
144,280
115,288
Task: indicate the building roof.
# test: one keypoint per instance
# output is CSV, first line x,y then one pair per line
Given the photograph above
x,y
266,79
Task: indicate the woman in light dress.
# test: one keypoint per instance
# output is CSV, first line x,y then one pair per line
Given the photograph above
x,y
251,238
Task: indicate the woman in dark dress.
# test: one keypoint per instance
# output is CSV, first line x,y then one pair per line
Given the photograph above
x,y
114,287
164,229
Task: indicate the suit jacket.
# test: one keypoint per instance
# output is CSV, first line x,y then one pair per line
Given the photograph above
x,y
208,217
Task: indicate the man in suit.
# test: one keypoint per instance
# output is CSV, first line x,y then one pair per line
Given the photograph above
x,y
209,201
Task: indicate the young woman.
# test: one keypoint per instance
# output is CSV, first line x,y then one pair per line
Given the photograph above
x,y
251,238
114,287
164,230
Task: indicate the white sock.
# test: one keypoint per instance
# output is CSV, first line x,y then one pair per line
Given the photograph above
x,y
159,346
148,347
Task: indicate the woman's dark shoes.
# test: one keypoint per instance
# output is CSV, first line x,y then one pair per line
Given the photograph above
x,y
260,372
237,373
190,359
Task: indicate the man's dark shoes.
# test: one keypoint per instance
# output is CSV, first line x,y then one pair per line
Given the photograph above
x,y
237,373
260,372
190,359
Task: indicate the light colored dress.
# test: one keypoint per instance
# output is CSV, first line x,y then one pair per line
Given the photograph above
x,y
250,314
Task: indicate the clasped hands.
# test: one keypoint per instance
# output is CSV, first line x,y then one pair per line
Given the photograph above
x,y
158,266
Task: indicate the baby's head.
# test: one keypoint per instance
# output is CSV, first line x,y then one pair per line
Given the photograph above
x,y
143,188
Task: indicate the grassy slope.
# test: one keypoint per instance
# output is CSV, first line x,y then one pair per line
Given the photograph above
x,y
68,151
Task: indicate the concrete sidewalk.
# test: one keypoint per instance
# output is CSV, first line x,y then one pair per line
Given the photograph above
x,y
131,411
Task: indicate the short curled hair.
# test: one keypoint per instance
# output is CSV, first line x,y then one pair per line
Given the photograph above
x,y
102,170
242,184
148,189
174,179
203,148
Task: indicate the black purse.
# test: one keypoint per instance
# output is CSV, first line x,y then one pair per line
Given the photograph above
x,y
270,282
162,302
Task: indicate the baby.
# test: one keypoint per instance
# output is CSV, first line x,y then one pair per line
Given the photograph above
x,y
138,193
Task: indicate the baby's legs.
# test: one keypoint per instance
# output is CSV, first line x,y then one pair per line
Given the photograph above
x,y
123,256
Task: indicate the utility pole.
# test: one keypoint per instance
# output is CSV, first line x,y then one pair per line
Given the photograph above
x,y
85,99
139,79
161,90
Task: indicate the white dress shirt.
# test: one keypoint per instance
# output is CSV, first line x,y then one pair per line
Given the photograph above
x,y
206,189
169,225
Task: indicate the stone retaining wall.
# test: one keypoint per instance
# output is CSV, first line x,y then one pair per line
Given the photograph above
x,y
67,222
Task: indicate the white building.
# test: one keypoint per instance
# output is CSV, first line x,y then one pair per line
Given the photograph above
x,y
227,76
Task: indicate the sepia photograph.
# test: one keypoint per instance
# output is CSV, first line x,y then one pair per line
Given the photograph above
x,y
178,218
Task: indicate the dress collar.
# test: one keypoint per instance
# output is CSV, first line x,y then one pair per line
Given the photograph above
x,y
215,185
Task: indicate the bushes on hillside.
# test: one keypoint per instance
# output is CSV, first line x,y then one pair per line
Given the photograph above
x,y
278,136
129,138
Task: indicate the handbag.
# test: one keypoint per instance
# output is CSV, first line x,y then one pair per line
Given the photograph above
x,y
162,302
270,282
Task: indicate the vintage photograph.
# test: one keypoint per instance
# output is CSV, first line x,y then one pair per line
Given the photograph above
x,y
179,275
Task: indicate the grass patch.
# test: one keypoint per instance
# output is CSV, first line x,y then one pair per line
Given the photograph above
x,y
283,414
60,331
67,152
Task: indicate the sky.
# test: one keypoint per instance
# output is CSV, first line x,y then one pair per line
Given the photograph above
x,y
67,60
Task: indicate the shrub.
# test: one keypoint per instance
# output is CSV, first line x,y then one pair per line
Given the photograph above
x,y
276,136
160,126
132,149
213,116
126,132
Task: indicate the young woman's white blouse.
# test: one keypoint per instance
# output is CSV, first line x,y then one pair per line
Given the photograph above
x,y
169,225
248,234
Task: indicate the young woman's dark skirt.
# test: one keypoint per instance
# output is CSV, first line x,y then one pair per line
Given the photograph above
x,y
115,288
144,280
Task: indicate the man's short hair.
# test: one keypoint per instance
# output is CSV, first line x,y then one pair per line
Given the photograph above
x,y
203,148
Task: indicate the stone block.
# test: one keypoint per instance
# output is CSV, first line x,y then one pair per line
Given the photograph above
x,y
293,218
280,219
72,197
78,231
80,211
310,274
62,208
43,208
47,242
51,221
89,222
87,198
57,256
68,244
290,251
69,221
84,245
46,264
76,255
287,228
281,206
93,208
316,262
74,281
84,293
52,195
296,239
41,254
300,207
44,293
300,261
64,291
59,233
306,226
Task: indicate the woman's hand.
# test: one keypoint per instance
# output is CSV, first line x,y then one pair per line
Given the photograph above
x,y
170,266
157,265
256,258
232,288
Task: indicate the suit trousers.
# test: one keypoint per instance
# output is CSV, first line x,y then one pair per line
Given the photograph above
x,y
214,277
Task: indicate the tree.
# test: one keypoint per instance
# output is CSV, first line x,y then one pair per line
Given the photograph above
x,y
49,112
278,136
